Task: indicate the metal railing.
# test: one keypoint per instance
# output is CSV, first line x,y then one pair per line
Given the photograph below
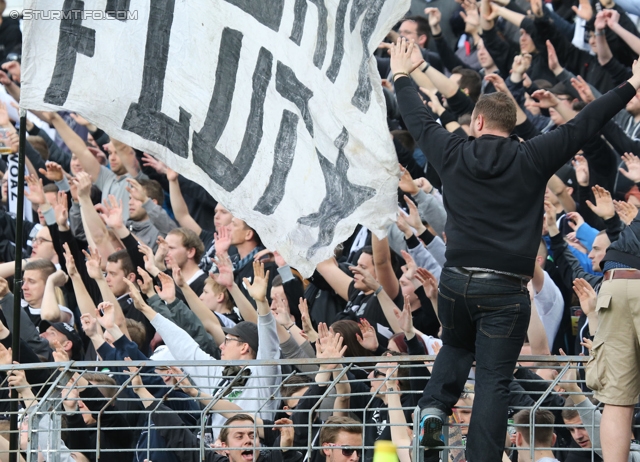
x,y
52,422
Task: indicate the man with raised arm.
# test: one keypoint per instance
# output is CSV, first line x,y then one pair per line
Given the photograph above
x,y
492,241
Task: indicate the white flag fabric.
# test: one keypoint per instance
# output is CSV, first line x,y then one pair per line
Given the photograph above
x,y
274,106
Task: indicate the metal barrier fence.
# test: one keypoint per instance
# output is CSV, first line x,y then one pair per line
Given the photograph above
x,y
68,409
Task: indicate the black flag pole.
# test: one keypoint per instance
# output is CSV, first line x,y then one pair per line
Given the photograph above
x,y
17,288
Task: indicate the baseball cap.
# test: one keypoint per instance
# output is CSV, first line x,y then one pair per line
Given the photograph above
x,y
68,331
568,175
245,331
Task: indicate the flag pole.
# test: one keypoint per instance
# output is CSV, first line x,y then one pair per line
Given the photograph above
x,y
14,443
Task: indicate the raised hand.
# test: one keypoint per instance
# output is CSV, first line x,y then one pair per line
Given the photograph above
x,y
521,64
149,161
53,171
330,347
545,99
136,190
581,166
552,59
145,283
113,212
575,220
604,204
106,315
94,263
287,432
222,240
149,259
168,290
89,325
405,318
161,252
59,353
586,295
258,289
410,267
414,219
82,121
369,339
498,83
36,192
61,210
17,379
406,182
585,11
136,296
5,355
225,276
435,17
434,102
613,18
311,333
550,218
430,284
401,59
83,179
70,263
172,175
178,278
633,167
367,279
626,211
470,14
583,89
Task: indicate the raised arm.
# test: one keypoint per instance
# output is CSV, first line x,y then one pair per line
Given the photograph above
x,y
336,278
75,144
384,270
551,150
613,18
430,136
207,317
94,227
179,206
50,310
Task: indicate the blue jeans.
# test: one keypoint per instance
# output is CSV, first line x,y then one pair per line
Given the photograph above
x,y
484,318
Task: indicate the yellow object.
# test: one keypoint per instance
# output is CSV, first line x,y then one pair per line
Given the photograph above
x,y
385,451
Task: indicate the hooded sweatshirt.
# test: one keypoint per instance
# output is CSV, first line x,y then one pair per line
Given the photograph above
x,y
494,185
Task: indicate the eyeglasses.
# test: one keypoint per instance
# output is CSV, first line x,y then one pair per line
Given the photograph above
x,y
378,375
231,339
40,240
347,452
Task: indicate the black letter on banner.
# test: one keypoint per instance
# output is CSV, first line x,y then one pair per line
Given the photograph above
x,y
145,118
229,174
362,97
74,39
300,15
267,12
282,161
338,45
118,9
357,9
295,91
342,197
321,39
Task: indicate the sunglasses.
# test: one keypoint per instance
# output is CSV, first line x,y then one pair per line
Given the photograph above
x,y
347,452
378,375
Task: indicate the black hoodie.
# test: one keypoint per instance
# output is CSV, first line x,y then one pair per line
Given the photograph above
x,y
494,186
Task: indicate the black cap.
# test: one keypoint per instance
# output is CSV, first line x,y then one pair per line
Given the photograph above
x,y
568,175
245,331
68,331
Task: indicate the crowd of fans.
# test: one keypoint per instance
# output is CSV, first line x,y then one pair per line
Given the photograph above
x,y
125,259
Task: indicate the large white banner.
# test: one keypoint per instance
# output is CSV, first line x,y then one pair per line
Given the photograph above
x,y
274,106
